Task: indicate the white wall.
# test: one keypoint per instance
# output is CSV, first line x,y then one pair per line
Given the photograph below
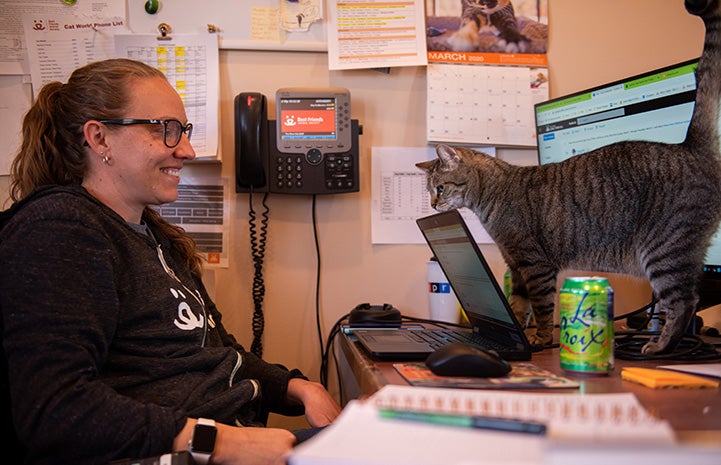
x,y
590,43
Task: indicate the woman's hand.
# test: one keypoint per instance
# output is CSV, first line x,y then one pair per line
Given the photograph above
x,y
252,446
320,408
244,445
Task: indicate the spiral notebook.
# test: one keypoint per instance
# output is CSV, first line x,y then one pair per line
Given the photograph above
x,y
598,422
615,416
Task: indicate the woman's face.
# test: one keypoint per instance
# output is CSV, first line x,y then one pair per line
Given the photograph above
x,y
142,170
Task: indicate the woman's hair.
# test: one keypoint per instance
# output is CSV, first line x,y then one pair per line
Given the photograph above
x,y
52,150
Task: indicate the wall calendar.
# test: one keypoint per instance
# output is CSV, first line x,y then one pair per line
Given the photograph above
x,y
484,104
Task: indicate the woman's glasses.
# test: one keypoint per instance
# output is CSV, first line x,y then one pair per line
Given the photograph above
x,y
172,128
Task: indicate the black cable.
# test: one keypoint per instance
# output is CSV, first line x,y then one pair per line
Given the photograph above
x,y
319,331
628,344
257,248
690,348
325,358
644,308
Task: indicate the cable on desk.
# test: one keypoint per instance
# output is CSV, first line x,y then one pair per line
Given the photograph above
x,y
690,348
325,357
643,309
628,344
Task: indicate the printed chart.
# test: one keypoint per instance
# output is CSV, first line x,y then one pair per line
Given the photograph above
x,y
190,62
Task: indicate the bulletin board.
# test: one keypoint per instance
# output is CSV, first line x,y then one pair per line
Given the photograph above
x,y
232,20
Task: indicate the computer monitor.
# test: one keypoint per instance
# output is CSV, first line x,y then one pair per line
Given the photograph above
x,y
652,106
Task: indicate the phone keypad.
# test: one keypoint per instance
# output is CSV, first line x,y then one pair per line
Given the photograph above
x,y
337,169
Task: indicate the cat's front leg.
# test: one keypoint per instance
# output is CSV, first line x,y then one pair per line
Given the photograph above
x,y
524,310
521,307
677,320
541,288
544,326
524,303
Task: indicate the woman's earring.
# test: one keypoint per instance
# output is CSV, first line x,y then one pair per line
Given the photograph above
x,y
106,159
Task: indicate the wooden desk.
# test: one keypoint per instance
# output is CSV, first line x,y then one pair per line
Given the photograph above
x,y
694,414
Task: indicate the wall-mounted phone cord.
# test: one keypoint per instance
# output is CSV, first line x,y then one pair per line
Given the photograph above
x,y
325,350
317,283
258,237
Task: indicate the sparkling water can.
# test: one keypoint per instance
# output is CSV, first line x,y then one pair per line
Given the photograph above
x,y
507,284
586,321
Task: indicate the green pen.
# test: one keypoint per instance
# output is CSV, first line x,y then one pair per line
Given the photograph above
x,y
466,421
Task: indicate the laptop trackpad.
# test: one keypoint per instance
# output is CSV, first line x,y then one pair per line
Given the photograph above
x,y
395,342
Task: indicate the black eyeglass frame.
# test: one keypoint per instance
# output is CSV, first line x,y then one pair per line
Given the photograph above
x,y
186,129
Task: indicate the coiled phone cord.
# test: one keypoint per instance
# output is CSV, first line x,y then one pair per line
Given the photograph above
x,y
257,248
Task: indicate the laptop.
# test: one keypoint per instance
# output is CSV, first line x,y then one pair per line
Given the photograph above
x,y
494,325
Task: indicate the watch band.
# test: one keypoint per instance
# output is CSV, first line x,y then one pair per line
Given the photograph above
x,y
202,441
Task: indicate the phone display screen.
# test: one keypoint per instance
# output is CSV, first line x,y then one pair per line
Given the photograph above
x,y
307,119
313,121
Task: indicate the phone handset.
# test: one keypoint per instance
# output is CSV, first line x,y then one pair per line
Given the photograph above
x,y
251,140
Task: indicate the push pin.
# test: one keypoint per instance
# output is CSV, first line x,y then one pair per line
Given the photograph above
x,y
164,29
151,6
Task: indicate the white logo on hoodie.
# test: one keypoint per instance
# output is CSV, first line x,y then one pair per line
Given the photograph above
x,y
187,320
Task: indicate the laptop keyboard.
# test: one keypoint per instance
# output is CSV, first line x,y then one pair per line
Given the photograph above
x,y
439,337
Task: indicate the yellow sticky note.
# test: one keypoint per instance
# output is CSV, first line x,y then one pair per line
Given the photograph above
x,y
658,379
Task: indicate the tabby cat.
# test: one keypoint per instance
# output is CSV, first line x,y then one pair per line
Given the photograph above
x,y
642,208
480,15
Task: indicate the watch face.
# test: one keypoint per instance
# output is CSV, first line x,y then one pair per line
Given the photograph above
x,y
204,438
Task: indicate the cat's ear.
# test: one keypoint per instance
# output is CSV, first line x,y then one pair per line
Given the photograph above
x,y
448,156
425,165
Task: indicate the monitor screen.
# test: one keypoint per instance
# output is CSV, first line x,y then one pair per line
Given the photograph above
x,y
653,106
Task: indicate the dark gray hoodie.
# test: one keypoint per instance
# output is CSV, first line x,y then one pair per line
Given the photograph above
x,y
111,343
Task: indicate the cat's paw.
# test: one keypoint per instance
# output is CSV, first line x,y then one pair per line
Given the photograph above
x,y
654,347
523,46
538,341
513,47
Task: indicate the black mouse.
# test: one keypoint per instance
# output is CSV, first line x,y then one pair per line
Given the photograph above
x,y
463,360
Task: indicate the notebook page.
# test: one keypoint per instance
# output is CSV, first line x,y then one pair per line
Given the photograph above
x,y
359,436
616,417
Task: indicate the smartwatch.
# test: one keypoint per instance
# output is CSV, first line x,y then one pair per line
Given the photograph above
x,y
202,441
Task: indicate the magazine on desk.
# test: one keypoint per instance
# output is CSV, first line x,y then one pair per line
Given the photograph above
x,y
522,376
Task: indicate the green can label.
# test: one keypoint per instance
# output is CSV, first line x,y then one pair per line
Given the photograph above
x,y
507,284
586,321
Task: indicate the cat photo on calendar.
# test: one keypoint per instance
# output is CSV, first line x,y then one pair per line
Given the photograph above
x,y
487,26
642,208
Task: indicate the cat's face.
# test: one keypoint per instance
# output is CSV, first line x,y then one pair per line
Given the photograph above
x,y
488,6
445,179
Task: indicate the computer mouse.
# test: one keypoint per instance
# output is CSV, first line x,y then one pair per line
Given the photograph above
x,y
457,359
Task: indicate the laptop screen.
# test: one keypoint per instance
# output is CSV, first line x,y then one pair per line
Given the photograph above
x,y
466,270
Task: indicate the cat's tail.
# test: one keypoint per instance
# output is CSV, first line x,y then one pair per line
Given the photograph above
x,y
703,129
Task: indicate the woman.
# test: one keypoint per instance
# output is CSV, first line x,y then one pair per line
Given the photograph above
x,y
114,348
